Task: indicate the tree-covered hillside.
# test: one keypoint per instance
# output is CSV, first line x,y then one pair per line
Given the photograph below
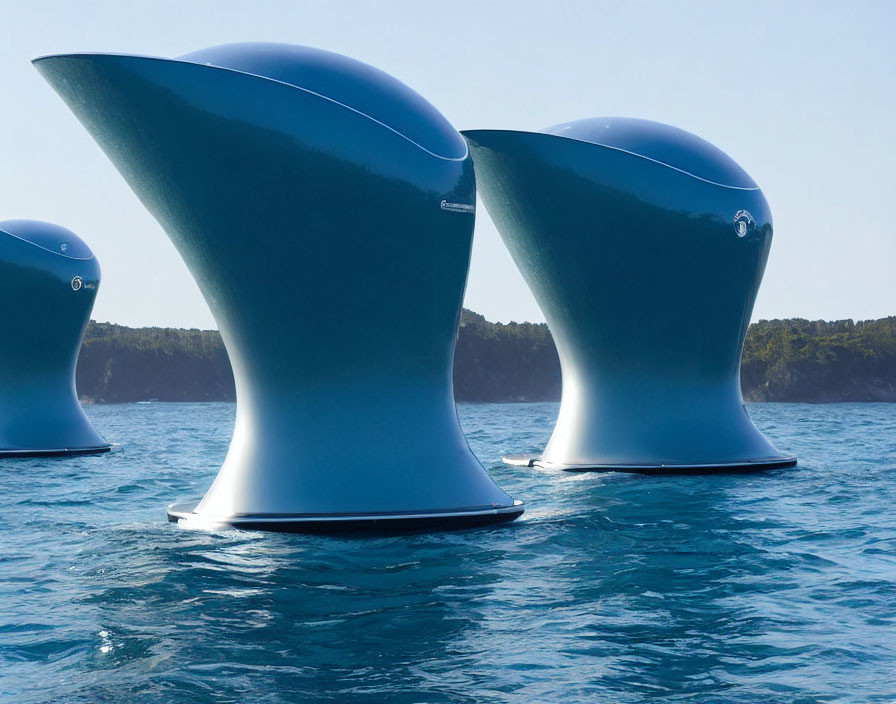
x,y
784,360
817,361
119,364
497,362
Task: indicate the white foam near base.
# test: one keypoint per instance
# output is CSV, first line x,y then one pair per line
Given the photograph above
x,y
520,460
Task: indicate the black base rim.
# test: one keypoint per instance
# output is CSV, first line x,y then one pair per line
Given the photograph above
x,y
361,524
664,469
670,470
5,454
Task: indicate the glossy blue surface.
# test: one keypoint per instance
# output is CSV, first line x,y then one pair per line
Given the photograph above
x,y
663,143
333,253
48,282
352,83
53,238
613,588
647,276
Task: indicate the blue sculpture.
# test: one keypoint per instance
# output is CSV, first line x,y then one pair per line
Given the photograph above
x,y
326,211
645,246
48,282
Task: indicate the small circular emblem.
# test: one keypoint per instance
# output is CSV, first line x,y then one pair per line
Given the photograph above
x,y
77,283
64,246
743,223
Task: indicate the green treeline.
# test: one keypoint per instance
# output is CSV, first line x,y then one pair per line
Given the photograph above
x,y
119,364
512,362
784,360
819,362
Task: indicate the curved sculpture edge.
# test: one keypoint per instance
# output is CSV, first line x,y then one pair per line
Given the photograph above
x,y
496,145
109,95
409,521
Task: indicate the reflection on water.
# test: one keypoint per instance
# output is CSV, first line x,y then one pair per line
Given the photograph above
x,y
774,587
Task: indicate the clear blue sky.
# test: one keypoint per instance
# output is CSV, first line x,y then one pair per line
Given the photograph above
x,y
801,94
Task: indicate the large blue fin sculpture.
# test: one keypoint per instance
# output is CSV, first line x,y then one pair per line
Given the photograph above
x,y
326,211
645,246
48,282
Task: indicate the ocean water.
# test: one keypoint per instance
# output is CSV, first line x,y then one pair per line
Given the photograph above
x,y
771,587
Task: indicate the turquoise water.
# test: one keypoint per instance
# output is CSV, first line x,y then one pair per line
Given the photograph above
x,y
774,587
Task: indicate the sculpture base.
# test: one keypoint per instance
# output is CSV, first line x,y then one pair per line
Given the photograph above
x,y
722,468
4,454
400,522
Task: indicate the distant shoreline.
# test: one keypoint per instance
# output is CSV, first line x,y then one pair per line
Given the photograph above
x,y
791,360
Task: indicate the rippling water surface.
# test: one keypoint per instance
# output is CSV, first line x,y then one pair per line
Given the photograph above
x,y
774,587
